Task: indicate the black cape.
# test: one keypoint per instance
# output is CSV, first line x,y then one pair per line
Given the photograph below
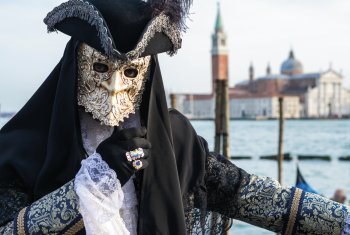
x,y
41,147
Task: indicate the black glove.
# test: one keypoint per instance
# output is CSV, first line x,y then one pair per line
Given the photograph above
x,y
113,151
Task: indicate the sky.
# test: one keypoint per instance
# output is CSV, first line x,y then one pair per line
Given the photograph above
x,y
259,31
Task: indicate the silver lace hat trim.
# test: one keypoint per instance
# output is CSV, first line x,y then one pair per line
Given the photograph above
x,y
159,24
87,12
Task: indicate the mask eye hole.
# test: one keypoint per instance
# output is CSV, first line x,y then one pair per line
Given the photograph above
x,y
100,67
131,72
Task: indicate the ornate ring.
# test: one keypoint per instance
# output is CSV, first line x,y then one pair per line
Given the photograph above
x,y
137,164
135,154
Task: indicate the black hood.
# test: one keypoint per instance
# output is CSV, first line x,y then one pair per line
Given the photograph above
x,y
41,145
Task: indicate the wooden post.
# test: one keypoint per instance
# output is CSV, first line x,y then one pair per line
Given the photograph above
x,y
225,120
218,119
173,100
222,126
222,118
280,140
217,138
226,124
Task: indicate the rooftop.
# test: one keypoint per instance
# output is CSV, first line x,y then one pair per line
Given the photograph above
x,y
291,66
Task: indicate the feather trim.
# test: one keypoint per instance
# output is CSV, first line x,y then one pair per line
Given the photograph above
x,y
177,10
86,12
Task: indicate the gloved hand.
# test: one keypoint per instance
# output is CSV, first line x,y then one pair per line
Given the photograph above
x,y
113,150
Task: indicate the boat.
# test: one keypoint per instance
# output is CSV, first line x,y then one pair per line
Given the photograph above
x,y
302,184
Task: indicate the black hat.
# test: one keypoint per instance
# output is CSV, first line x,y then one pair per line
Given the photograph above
x,y
123,29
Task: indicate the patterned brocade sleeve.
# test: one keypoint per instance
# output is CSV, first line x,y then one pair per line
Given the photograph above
x,y
265,203
315,214
55,213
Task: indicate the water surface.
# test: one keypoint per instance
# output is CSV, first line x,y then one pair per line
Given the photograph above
x,y
319,137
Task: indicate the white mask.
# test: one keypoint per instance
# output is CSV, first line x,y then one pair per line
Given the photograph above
x,y
110,89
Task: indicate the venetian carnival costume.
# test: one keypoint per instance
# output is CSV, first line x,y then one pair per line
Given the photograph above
x,y
96,150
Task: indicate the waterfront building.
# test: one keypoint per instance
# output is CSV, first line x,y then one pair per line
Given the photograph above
x,y
306,95
318,94
261,107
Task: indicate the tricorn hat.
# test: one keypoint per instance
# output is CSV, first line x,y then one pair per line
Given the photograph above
x,y
123,29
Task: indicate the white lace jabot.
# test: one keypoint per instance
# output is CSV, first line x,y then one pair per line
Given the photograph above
x,y
106,207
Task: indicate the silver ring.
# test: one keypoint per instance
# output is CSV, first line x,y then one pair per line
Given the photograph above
x,y
135,154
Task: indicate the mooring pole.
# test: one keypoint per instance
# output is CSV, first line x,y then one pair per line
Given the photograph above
x,y
222,127
225,120
222,118
218,130
226,125
280,140
173,100
218,119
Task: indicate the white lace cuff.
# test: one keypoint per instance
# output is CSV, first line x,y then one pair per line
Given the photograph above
x,y
346,229
100,197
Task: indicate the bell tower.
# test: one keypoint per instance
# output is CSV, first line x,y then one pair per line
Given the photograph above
x,y
219,52
219,57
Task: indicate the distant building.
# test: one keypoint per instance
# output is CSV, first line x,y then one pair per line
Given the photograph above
x,y
306,95
264,107
320,94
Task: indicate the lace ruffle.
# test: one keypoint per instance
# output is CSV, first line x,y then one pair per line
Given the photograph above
x,y
100,197
104,180
129,211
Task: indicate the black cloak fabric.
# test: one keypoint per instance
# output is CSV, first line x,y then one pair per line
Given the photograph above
x,y
41,147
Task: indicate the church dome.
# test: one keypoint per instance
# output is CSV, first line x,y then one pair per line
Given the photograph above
x,y
291,66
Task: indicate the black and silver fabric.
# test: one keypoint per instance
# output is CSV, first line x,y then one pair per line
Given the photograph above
x,y
122,29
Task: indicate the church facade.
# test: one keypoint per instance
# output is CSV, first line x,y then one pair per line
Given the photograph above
x,y
306,95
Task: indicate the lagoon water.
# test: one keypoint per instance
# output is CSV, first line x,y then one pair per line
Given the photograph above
x,y
318,137
257,138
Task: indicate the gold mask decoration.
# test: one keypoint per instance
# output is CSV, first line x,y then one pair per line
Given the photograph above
x,y
110,90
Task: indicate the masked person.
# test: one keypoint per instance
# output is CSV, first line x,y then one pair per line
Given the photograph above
x,y
96,150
